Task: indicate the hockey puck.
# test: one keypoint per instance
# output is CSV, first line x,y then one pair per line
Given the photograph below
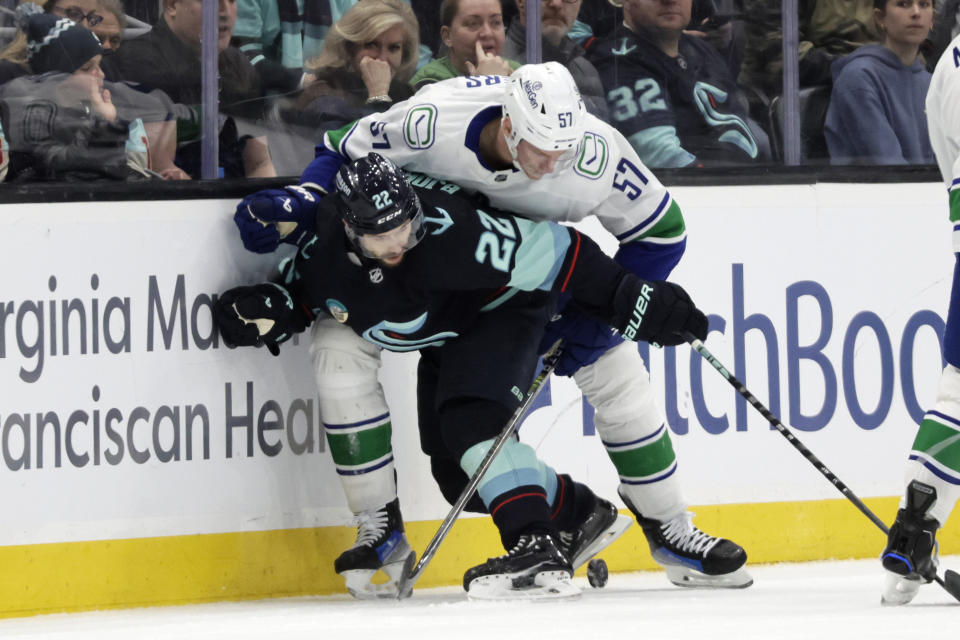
x,y
597,573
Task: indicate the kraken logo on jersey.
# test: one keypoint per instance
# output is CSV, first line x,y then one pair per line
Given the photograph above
x,y
442,223
420,125
623,50
706,96
594,155
338,310
389,335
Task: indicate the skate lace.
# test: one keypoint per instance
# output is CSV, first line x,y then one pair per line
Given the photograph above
x,y
681,533
520,545
370,527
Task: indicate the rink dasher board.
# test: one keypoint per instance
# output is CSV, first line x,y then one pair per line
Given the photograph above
x,y
143,471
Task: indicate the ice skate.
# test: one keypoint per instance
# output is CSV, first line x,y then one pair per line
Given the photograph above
x,y
691,557
380,546
534,568
910,558
595,533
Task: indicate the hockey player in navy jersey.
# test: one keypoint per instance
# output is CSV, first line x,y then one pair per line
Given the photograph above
x,y
527,144
933,471
472,290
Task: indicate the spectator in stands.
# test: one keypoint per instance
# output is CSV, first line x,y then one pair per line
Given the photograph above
x,y
111,26
877,113
276,34
671,94
367,61
828,29
557,17
110,32
13,59
62,123
168,58
473,32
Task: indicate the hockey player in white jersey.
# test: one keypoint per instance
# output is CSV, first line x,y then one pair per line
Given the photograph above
x,y
528,145
933,468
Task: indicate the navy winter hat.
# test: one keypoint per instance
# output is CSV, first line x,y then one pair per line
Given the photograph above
x,y
58,44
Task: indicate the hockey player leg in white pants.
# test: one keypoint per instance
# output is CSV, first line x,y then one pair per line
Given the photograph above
x,y
636,438
933,470
357,425
358,429
933,486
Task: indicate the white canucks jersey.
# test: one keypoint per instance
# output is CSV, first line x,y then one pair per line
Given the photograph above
x,y
943,121
437,132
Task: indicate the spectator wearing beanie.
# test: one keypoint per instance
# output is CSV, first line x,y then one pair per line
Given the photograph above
x,y
75,131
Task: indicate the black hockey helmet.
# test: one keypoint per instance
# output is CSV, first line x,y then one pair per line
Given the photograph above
x,y
374,197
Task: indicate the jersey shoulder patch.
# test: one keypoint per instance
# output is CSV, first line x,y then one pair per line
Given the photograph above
x,y
594,156
420,126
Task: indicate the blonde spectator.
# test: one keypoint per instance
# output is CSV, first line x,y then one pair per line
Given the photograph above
x,y
474,34
367,60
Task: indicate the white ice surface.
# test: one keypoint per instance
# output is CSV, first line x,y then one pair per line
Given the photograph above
x,y
810,601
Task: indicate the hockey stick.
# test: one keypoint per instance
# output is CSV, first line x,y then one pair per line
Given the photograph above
x,y
412,573
951,582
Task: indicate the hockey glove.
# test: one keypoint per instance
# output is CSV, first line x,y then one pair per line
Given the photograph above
x,y
261,314
268,217
656,311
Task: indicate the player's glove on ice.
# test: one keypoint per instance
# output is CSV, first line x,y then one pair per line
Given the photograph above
x,y
656,311
268,217
261,314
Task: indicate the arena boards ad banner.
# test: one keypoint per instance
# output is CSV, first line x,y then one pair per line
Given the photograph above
x,y
122,415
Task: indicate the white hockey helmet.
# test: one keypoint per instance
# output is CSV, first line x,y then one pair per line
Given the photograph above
x,y
545,109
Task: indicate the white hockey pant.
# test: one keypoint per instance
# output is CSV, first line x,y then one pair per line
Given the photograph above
x,y
633,431
354,414
935,455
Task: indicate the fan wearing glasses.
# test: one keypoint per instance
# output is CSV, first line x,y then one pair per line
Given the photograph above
x,y
83,12
13,59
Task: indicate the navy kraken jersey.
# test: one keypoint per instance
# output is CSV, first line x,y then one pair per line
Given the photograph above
x,y
674,111
471,260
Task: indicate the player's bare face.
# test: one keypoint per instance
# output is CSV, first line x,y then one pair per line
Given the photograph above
x,y
476,21
906,22
389,247
536,163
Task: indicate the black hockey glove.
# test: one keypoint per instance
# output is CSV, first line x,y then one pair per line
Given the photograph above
x,y
656,311
267,217
261,314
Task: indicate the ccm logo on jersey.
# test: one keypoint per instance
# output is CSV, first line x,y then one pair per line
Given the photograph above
x,y
643,301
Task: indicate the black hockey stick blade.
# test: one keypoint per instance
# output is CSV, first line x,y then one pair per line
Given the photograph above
x,y
412,572
952,582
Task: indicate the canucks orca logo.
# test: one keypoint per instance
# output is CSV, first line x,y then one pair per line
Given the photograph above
x,y
389,335
338,310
